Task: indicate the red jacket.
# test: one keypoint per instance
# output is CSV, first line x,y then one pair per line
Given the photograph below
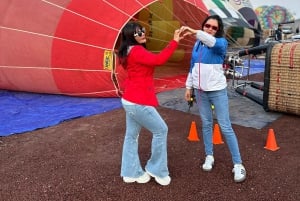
x,y
139,84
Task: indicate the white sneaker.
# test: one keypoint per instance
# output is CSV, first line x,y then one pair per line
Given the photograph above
x,y
142,179
239,172
208,164
162,181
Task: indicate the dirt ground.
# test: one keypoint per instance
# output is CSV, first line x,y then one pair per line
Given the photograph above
x,y
80,160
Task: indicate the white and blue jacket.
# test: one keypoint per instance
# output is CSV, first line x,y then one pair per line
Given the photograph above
x,y
206,70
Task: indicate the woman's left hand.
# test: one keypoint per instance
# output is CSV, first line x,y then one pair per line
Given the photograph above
x,y
187,31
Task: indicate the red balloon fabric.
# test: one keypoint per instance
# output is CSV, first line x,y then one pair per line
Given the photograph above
x,y
68,46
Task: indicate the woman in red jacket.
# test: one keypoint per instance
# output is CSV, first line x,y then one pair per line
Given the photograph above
x,y
139,101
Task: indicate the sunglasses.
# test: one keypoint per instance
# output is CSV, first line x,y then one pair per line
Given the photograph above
x,y
140,32
211,26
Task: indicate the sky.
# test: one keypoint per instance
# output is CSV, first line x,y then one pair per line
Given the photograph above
x,y
292,5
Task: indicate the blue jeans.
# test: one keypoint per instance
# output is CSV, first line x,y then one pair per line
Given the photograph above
x,y
221,108
138,116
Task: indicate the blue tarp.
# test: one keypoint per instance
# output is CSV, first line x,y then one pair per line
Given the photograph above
x,y
256,66
22,111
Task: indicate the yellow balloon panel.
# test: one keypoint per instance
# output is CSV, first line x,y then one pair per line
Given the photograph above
x,y
177,56
144,15
160,10
160,33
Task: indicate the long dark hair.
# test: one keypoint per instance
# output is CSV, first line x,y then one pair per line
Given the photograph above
x,y
127,40
220,32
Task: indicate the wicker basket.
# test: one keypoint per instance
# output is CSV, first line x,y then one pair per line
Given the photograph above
x,y
282,78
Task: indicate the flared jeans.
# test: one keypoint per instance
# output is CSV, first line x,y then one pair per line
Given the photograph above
x,y
138,116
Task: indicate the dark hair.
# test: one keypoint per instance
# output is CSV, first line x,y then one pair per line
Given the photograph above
x,y
220,32
127,40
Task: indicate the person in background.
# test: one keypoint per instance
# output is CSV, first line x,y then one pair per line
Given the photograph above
x,y
139,102
206,77
278,33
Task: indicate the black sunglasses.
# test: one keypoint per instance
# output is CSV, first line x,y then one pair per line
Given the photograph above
x,y
211,26
140,32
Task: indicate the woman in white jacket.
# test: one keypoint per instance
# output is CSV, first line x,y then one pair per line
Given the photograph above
x,y
206,77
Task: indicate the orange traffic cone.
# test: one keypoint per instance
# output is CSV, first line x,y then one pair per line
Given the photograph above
x,y
193,135
217,138
271,141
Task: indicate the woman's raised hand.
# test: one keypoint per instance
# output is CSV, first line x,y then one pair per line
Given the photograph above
x,y
187,31
178,35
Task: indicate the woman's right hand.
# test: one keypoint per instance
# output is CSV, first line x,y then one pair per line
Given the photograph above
x,y
188,94
177,35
